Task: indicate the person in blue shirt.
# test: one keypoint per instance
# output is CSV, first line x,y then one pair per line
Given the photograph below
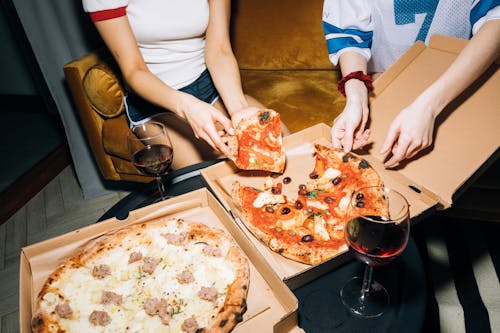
x,y
365,37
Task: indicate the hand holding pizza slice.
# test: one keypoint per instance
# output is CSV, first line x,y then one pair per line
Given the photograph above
x,y
257,143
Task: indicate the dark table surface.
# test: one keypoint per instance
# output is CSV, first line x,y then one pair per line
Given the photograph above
x,y
320,308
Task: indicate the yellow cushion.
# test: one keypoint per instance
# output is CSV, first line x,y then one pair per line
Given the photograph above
x,y
104,91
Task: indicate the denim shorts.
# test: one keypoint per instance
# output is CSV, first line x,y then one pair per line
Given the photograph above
x,y
139,110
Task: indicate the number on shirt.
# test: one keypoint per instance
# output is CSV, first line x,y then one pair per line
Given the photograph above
x,y
406,10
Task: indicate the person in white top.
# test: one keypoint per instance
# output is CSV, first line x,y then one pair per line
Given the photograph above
x,y
176,59
366,36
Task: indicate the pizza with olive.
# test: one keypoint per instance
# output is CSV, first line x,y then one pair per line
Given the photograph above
x,y
257,143
164,276
308,228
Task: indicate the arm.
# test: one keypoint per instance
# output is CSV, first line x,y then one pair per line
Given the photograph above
x,y
412,130
120,40
348,131
220,59
348,33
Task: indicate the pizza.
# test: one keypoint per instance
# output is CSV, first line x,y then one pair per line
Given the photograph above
x,y
257,143
308,228
164,276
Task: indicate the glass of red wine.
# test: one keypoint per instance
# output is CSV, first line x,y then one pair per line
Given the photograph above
x,y
151,151
375,237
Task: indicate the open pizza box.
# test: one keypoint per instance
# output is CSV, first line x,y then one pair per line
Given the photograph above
x,y
272,307
465,144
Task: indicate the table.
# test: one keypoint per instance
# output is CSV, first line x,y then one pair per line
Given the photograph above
x,y
404,279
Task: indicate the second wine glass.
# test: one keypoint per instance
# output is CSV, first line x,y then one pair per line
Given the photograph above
x,y
151,151
375,239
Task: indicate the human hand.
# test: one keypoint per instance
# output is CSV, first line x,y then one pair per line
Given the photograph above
x,y
348,131
410,132
243,113
202,117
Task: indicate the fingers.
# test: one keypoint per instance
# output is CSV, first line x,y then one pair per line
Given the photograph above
x,y
347,141
361,139
337,136
224,121
403,149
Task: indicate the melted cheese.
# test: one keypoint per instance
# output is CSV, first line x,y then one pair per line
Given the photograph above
x,y
266,198
84,291
320,228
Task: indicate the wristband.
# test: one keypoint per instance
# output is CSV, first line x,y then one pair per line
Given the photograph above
x,y
358,75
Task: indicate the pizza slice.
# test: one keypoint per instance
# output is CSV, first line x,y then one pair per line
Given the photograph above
x,y
257,143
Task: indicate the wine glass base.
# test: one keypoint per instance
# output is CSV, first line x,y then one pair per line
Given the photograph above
x,y
375,302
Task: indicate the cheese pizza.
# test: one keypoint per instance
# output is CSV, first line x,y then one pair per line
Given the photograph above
x,y
164,276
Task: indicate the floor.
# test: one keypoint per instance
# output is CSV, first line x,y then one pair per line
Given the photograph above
x,y
57,209
461,255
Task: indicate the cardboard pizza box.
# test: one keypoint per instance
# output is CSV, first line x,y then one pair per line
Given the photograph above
x,y
272,307
465,144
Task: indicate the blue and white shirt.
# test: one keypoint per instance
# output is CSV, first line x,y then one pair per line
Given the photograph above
x,y
382,30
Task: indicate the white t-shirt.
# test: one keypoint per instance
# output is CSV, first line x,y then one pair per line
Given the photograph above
x,y
170,34
383,30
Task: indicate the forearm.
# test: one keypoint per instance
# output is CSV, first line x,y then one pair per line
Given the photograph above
x,y
151,88
354,89
481,51
226,76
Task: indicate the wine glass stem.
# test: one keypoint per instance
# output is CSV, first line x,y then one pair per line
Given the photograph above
x,y
161,188
367,281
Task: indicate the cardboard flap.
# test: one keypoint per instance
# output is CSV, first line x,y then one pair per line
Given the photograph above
x,y
466,133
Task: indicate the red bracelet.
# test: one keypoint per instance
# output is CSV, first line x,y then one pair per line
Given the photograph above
x,y
359,75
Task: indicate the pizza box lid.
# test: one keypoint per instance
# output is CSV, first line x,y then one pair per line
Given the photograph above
x,y
430,183
466,139
271,304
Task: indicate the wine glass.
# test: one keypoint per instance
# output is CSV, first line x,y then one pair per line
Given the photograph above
x,y
151,151
376,238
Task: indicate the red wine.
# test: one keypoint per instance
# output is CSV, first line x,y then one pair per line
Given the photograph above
x,y
153,160
376,241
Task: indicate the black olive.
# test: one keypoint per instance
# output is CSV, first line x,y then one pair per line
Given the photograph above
x,y
275,190
264,116
222,323
285,210
363,164
329,200
274,175
307,238
360,204
238,317
298,204
269,209
360,196
336,180
287,180
345,158
313,175
302,189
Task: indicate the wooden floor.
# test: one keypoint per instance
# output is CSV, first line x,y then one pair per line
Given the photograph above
x,y
57,209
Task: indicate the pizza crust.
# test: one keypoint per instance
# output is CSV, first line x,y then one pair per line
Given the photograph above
x,y
195,238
